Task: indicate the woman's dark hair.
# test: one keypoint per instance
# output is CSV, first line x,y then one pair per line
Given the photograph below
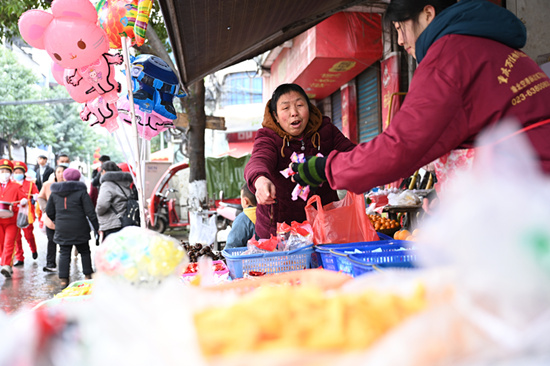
x,y
55,170
285,89
402,10
110,166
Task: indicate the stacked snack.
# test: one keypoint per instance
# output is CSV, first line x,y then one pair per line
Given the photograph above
x,y
303,318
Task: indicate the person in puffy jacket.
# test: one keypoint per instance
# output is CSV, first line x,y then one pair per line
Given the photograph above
x,y
70,208
112,199
291,124
43,198
470,75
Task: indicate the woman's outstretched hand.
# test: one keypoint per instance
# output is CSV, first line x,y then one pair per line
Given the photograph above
x,y
265,191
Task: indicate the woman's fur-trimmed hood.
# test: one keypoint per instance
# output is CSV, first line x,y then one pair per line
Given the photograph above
x,y
313,125
116,177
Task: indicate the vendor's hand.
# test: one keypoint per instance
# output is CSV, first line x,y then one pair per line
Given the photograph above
x,y
311,173
265,191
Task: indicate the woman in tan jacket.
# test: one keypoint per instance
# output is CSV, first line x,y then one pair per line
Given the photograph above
x,y
43,197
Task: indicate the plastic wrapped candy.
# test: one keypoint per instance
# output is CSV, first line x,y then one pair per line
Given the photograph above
x,y
140,256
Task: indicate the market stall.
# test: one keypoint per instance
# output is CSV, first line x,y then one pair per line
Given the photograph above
x,y
473,295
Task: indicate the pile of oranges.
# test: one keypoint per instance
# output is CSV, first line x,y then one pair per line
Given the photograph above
x,y
382,223
406,235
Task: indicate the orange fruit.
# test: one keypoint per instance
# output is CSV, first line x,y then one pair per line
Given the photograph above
x,y
404,234
397,235
415,232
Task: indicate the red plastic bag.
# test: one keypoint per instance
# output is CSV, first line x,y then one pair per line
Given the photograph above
x,y
343,221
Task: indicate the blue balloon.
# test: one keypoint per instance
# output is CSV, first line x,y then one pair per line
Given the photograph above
x,y
155,85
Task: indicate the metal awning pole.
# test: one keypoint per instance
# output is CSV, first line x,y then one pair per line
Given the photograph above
x,y
134,136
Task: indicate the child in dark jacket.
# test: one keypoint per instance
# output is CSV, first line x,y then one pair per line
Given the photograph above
x,y
70,207
243,227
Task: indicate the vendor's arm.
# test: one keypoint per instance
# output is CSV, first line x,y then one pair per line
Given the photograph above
x,y
261,166
431,122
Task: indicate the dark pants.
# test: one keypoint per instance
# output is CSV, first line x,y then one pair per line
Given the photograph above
x,y
51,252
109,232
65,259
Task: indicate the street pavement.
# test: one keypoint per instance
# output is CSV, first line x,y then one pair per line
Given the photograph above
x,y
30,285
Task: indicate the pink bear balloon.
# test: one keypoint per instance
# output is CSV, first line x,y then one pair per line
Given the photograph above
x,y
148,124
80,93
74,40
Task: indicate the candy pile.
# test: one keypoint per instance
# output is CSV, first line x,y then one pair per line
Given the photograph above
x,y
82,288
139,255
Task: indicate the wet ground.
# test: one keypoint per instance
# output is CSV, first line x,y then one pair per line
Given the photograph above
x,y
30,285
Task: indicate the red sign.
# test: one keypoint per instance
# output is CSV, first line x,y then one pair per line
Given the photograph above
x,y
241,136
389,88
330,54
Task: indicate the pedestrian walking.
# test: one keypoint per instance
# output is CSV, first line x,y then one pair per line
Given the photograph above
x,y
30,191
43,197
112,199
70,208
11,196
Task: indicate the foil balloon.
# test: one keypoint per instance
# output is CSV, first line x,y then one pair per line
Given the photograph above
x,y
81,93
106,113
73,39
124,18
155,85
149,125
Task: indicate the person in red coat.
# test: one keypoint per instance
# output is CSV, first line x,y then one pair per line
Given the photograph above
x,y
470,75
291,124
10,193
30,190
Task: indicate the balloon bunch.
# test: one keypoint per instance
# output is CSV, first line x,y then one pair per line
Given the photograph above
x,y
127,18
140,256
70,34
78,43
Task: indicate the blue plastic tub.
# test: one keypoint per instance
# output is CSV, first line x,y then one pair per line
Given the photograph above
x,y
341,255
328,261
368,262
274,262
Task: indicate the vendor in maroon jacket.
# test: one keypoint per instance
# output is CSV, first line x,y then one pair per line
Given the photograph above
x,y
470,75
291,124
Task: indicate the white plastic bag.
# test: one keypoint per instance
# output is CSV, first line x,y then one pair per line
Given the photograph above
x,y
203,229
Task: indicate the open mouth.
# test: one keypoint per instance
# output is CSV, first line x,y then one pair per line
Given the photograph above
x,y
295,123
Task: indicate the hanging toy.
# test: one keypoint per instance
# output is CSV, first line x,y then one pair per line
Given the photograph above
x,y
149,125
124,18
74,41
155,85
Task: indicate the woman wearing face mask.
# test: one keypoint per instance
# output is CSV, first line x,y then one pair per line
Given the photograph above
x,y
43,196
291,124
10,192
30,191
470,75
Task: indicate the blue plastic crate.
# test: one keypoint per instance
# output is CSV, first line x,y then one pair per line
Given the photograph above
x,y
328,261
273,262
366,262
340,255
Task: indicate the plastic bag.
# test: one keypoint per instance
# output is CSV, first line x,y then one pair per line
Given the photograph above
x,y
22,218
343,221
203,229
